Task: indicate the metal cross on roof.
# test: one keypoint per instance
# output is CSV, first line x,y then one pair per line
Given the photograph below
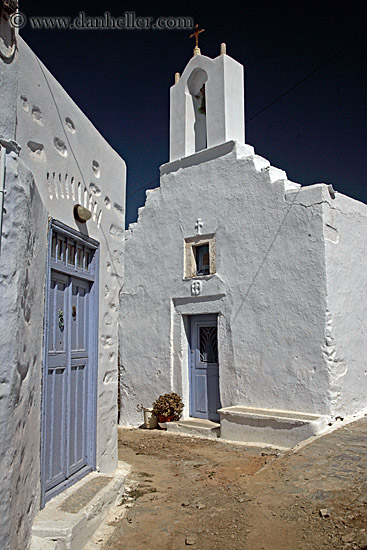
x,y
196,34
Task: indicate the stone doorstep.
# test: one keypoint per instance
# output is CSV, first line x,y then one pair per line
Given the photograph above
x,y
276,428
69,520
194,427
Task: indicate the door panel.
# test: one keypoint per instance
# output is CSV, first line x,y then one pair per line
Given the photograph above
x,y
204,366
213,392
68,402
55,429
77,445
79,373
201,392
74,325
55,409
79,318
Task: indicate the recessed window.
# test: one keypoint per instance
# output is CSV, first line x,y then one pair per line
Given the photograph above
x,y
202,259
69,251
79,261
199,256
61,250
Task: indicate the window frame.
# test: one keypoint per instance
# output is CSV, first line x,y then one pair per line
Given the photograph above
x,y
190,261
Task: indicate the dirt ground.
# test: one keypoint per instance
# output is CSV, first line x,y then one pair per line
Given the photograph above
x,y
212,495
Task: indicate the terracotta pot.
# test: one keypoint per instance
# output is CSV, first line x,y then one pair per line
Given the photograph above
x,y
162,418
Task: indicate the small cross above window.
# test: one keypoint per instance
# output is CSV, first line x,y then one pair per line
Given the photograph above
x,y
198,226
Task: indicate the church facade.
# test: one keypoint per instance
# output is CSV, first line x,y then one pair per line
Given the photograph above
x,y
244,291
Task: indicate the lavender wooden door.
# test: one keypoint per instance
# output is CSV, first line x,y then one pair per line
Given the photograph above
x,y
79,363
57,373
69,396
204,367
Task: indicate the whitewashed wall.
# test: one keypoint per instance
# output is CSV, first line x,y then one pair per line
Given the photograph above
x,y
72,163
269,289
22,278
345,346
63,161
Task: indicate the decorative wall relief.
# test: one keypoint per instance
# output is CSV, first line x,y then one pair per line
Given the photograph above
x,y
196,288
60,147
70,125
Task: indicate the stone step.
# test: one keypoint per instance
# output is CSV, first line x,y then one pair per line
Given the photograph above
x,y
269,427
68,521
197,427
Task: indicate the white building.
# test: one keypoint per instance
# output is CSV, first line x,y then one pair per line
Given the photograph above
x,y
243,291
59,278
239,289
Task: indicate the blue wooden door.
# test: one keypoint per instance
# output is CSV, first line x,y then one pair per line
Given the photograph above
x,y
77,450
56,383
69,398
204,367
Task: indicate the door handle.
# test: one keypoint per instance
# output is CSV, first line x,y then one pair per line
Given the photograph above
x,y
61,320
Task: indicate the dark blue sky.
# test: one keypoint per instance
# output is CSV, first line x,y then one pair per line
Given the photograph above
x,y
121,80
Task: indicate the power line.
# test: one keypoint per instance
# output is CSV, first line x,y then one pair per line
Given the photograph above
x,y
302,80
142,187
61,122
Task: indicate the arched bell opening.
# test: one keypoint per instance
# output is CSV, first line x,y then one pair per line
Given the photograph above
x,y
196,89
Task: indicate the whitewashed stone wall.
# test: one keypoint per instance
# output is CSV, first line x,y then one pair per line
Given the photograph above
x,y
22,278
345,349
63,161
72,163
270,288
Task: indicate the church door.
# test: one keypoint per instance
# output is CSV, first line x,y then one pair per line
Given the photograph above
x,y
69,394
204,367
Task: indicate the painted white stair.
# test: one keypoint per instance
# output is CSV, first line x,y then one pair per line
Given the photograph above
x,y
270,427
194,427
68,521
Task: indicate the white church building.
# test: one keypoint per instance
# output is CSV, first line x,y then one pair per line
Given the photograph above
x,y
237,288
244,292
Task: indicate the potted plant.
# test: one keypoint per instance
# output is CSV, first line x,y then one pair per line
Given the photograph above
x,y
168,407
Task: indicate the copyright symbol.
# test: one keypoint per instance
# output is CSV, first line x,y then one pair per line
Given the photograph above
x,y
18,20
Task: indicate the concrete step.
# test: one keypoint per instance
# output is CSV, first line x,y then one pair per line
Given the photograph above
x,y
269,427
197,427
68,521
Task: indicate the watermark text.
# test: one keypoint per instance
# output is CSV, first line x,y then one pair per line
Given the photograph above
x,y
128,21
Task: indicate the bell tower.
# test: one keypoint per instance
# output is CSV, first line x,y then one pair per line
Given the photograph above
x,y
206,105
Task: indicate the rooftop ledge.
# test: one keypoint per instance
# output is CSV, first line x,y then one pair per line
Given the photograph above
x,y
208,154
